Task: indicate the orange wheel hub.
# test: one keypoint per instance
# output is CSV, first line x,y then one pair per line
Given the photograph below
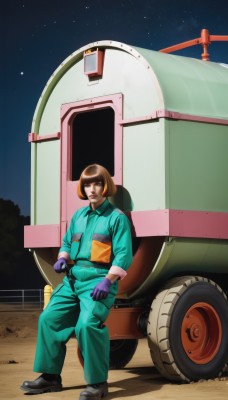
x,y
201,333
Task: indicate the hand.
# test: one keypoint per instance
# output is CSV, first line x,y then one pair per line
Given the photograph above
x,y
101,290
60,265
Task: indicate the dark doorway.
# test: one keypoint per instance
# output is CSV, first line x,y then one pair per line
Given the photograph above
x,y
93,140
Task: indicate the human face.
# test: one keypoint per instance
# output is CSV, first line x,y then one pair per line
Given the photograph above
x,y
93,191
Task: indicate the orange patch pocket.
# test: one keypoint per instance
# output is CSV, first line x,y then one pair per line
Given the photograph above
x,y
100,252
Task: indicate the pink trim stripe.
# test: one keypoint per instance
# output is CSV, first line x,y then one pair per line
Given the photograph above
x,y
180,223
198,224
34,137
150,223
173,115
38,236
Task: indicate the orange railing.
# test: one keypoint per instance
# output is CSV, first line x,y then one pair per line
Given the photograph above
x,y
205,39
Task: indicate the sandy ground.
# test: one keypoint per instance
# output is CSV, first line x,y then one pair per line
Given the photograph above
x,y
138,379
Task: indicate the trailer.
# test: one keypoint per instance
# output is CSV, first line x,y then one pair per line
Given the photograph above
x,y
159,123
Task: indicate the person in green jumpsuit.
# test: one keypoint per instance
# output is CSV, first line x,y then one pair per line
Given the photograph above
x,y
98,241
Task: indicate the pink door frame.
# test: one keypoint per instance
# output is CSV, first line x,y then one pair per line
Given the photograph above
x,y
69,201
166,222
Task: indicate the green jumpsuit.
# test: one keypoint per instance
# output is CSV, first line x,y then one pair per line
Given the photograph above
x,y
99,241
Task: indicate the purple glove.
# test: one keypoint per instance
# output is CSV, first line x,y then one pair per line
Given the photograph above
x,y
101,290
60,265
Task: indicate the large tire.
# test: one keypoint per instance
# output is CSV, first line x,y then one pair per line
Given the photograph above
x,y
121,352
188,329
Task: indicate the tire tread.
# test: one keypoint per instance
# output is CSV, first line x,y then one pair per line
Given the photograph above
x,y
158,328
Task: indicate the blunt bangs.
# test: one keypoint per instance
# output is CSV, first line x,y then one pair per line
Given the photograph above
x,y
96,173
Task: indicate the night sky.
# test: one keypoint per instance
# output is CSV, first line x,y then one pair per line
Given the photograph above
x,y
37,35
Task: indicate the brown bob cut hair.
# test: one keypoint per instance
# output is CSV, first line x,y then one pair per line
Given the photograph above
x,y
96,173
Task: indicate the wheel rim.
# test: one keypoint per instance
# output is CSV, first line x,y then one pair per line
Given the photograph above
x,y
201,333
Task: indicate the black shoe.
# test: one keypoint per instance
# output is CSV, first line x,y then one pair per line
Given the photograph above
x,y
94,392
44,383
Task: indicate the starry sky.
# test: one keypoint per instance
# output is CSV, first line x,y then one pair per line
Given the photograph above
x,y
37,35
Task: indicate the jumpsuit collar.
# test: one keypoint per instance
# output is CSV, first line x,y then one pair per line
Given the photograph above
x,y
100,209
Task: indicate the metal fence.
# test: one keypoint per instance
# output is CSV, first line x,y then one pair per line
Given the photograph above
x,y
21,299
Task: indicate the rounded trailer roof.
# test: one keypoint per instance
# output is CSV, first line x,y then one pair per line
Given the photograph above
x,y
190,85
184,84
